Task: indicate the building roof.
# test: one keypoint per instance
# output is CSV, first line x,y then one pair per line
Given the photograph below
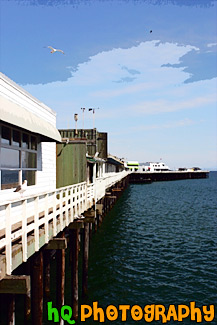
x,y
114,160
15,109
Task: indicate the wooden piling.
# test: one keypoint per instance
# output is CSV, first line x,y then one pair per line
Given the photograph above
x,y
10,299
85,260
47,257
60,276
27,308
13,285
37,288
90,229
74,248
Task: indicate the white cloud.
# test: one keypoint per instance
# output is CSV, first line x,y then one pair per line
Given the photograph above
x,y
166,105
211,44
157,99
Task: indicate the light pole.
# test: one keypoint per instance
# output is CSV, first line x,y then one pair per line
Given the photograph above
x,y
76,119
83,109
93,109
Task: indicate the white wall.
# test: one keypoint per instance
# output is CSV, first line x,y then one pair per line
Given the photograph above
x,y
46,176
46,173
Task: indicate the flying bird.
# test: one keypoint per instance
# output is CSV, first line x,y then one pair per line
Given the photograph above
x,y
21,188
53,50
150,31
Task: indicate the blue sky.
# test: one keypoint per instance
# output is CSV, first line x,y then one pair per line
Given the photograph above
x,y
157,91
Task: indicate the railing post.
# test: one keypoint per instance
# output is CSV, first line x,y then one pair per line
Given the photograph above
x,y
24,231
76,201
8,239
78,198
67,207
61,210
54,215
46,208
36,222
71,205
86,189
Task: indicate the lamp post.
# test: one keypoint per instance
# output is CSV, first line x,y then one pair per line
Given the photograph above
x,y
83,109
76,119
93,110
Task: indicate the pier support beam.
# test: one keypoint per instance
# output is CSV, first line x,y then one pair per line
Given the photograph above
x,y
59,244
74,249
46,257
9,287
60,274
9,313
85,260
37,288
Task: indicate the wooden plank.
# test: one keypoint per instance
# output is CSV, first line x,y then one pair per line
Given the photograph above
x,y
15,284
57,243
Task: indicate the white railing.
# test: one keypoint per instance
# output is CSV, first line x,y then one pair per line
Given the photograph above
x,y
49,212
24,216
107,181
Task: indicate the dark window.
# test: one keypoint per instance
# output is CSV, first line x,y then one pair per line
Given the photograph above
x,y
18,157
33,143
28,159
10,158
6,135
29,175
9,179
25,143
16,138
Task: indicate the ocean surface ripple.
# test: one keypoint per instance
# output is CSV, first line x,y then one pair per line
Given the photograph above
x,y
158,245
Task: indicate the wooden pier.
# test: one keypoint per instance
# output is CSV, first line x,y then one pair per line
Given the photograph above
x,y
148,177
38,227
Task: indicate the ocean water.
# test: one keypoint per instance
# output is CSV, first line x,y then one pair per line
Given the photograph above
x,y
158,245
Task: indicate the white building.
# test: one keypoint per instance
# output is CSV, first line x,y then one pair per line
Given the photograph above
x,y
28,137
153,167
114,164
132,165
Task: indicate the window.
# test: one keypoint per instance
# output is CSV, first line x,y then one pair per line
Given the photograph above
x,y
9,178
18,157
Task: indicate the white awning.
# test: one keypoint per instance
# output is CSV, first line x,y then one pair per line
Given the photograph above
x,y
17,115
